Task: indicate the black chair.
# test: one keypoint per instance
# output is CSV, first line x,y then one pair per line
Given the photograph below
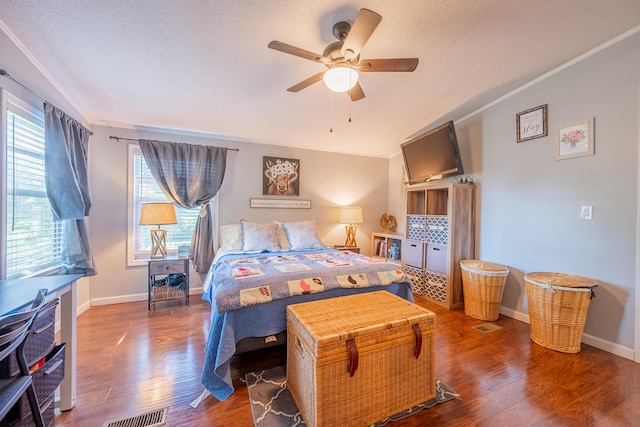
x,y
14,329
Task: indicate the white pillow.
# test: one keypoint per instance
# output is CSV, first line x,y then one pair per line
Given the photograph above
x,y
303,234
282,237
259,237
229,233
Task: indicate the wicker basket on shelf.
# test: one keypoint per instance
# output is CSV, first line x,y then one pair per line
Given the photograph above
x,y
483,285
161,293
558,305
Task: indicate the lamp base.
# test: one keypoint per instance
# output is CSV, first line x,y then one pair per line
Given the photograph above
x,y
158,243
351,236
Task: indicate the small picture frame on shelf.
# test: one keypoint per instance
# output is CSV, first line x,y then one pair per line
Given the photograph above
x,y
574,139
532,123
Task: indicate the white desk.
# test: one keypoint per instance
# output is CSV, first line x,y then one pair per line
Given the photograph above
x,y
17,294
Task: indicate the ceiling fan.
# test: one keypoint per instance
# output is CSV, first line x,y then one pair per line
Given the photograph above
x,y
342,58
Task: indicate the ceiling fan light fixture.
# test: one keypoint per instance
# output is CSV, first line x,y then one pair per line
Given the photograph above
x,y
340,79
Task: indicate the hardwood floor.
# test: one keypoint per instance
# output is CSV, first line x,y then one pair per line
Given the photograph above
x,y
130,361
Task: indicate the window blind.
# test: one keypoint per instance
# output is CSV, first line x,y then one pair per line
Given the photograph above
x,y
34,240
145,191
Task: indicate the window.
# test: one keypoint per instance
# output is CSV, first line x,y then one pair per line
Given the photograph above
x,y
143,189
33,241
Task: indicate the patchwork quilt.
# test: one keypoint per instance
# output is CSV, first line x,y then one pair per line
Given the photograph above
x,y
249,279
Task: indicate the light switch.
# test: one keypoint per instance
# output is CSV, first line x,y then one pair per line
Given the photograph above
x,y
586,212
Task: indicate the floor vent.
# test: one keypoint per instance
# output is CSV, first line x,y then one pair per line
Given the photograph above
x,y
154,418
487,327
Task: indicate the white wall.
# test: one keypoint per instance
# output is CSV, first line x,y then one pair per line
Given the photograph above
x,y
397,195
18,65
528,204
329,180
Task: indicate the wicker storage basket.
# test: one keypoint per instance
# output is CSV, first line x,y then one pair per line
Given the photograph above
x,y
354,360
161,293
483,285
558,305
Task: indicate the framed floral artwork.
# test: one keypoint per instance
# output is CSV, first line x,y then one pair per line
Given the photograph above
x,y
532,123
574,140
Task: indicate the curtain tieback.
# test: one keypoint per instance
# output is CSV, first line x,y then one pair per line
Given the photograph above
x,y
203,209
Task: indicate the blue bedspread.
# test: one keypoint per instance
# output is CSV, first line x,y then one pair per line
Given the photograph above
x,y
269,318
243,280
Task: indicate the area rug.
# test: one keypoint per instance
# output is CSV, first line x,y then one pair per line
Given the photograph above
x,y
273,406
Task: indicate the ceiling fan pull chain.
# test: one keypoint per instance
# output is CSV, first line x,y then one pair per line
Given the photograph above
x,y
350,102
330,112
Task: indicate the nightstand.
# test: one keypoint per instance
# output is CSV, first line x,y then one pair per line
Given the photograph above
x,y
162,268
344,248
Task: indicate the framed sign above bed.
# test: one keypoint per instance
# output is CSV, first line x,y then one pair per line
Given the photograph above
x,y
280,203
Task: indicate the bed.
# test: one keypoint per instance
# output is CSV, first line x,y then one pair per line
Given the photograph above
x,y
260,269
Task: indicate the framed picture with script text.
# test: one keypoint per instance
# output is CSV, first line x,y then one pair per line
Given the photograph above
x,y
532,123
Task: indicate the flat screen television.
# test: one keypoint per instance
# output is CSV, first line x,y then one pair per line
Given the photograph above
x,y
432,155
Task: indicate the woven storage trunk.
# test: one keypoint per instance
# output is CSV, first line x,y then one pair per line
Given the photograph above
x,y
483,285
558,305
351,361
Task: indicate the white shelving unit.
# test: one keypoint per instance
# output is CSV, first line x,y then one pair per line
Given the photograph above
x,y
387,246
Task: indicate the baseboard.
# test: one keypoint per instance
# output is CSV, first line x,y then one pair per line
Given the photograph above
x,y
518,315
79,310
608,346
82,308
120,299
617,349
95,302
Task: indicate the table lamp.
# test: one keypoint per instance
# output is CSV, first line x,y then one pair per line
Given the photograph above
x,y
351,215
158,214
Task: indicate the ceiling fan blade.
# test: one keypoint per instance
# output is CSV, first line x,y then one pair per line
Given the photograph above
x,y
307,82
363,26
389,64
302,53
356,93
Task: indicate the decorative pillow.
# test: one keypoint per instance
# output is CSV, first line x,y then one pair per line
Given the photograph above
x,y
229,233
259,237
282,237
303,234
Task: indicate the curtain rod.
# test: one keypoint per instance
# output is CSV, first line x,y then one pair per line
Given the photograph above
x,y
118,138
4,73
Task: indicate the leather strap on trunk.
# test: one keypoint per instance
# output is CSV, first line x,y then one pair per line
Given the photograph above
x,y
418,333
352,364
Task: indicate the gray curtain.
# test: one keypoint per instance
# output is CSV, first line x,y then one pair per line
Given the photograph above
x,y
66,143
189,176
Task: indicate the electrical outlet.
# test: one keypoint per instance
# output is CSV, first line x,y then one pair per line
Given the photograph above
x,y
586,213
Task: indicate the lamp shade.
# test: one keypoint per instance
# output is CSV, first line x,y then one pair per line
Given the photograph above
x,y
350,215
340,79
157,214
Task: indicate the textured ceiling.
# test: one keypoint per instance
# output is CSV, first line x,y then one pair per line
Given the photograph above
x,y
204,66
